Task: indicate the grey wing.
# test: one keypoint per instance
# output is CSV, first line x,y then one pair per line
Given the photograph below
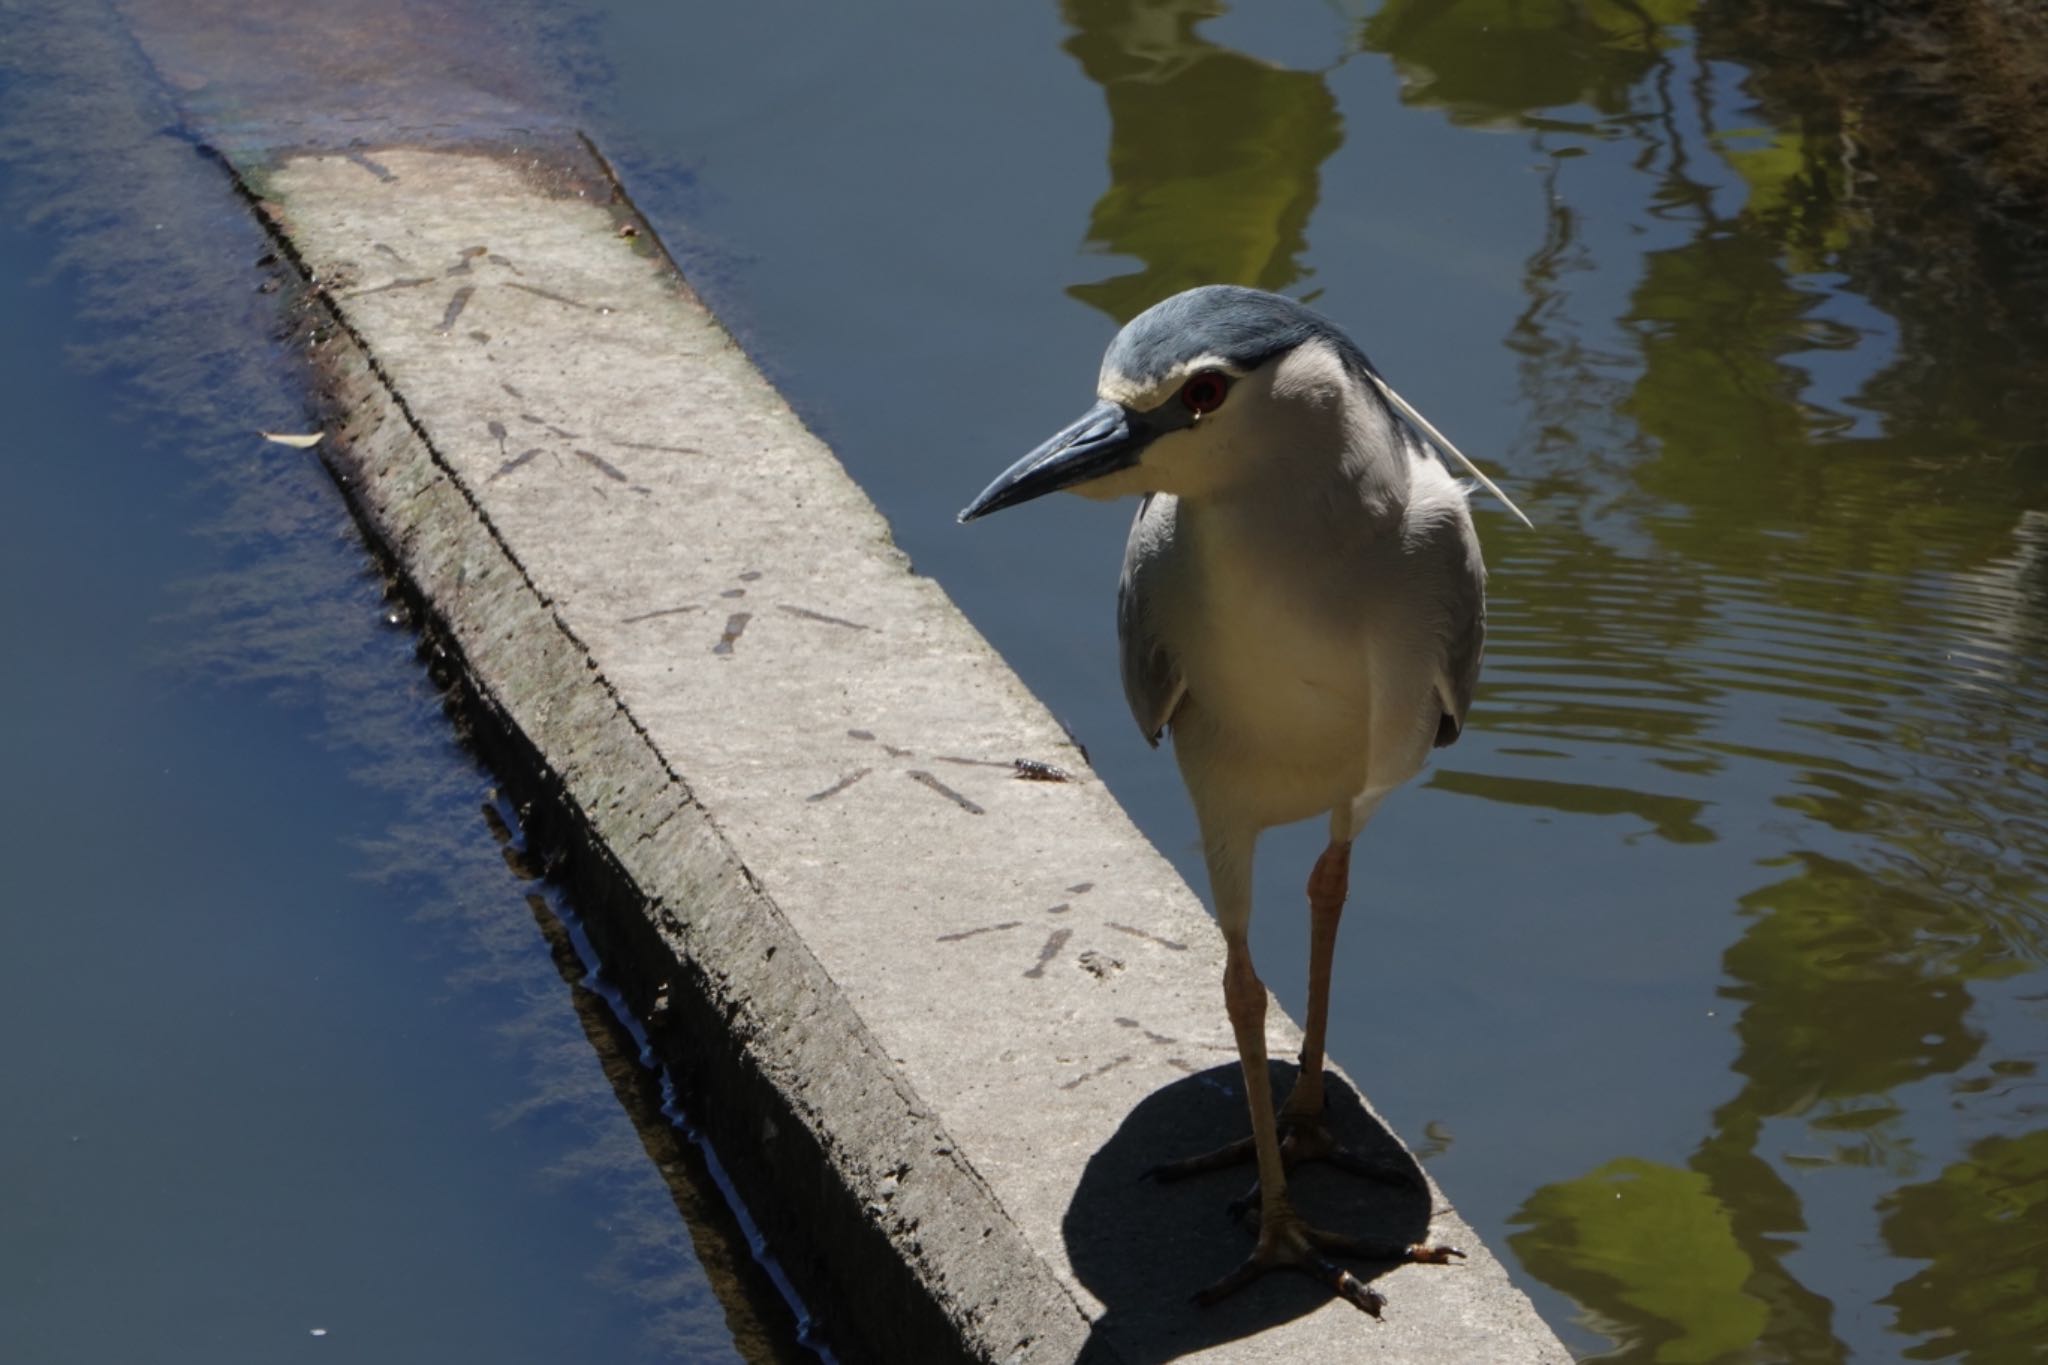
x,y
1152,679
1454,547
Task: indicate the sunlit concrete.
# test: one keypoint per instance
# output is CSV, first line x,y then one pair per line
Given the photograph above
x,y
935,1012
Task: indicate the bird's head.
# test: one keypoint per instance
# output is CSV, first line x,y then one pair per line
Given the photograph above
x,y
1185,386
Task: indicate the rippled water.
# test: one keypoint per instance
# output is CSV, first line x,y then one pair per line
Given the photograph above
x,y
299,1058
1708,967
1706,970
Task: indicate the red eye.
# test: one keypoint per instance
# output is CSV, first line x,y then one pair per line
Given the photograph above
x,y
1205,392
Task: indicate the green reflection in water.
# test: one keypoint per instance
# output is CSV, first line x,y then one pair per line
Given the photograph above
x,y
1493,60
1857,572
1852,983
1942,187
1797,537
1593,1236
1982,1226
1673,818
1213,158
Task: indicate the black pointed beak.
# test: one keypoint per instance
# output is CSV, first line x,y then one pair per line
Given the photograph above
x,y
1104,440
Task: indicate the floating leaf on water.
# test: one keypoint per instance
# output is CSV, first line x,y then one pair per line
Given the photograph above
x,y
295,442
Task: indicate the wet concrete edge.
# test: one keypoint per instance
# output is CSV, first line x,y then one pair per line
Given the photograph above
x,y
774,1067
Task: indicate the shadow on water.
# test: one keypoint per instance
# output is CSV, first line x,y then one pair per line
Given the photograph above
x,y
754,1317
1144,1248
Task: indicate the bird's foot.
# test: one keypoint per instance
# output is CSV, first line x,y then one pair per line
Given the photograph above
x,y
1238,1153
1288,1243
1307,1137
1303,1138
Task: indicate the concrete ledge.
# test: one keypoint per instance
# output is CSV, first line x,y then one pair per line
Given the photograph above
x,y
935,1017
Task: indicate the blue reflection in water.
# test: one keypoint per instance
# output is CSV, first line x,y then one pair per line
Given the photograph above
x,y
290,1067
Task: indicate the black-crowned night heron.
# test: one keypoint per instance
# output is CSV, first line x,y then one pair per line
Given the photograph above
x,y
1303,605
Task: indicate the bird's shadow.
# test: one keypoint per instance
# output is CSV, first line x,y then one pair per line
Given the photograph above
x,y
1143,1248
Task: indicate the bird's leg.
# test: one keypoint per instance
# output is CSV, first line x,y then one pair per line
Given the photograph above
x,y
1286,1241
1244,996
1328,884
1304,1135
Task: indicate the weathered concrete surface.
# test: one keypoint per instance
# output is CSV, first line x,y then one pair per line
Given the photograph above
x,y
936,1018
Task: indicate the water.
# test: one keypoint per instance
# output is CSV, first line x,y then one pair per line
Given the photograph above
x,y
1706,970
300,1061
1708,966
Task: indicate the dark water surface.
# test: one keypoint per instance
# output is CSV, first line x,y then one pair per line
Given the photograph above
x,y
300,1060
1708,967
1706,970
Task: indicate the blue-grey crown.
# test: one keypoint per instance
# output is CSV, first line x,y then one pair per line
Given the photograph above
x,y
1245,327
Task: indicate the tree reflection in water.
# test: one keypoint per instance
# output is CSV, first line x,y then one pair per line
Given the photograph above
x,y
1787,577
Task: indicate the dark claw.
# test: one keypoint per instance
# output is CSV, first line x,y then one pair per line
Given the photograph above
x,y
1348,1286
1340,1281
1385,1172
1231,1283
1300,1141
1236,1153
